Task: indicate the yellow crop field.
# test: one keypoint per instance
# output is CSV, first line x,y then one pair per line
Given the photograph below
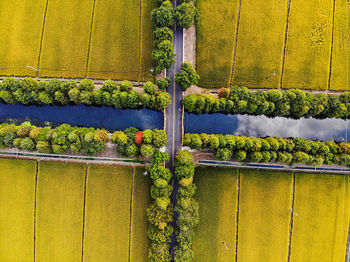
x,y
216,36
115,44
264,216
17,193
146,61
59,217
340,55
260,44
107,219
20,30
66,39
217,198
320,229
139,223
308,50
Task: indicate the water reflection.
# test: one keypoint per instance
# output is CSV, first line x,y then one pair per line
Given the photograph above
x,y
90,116
261,126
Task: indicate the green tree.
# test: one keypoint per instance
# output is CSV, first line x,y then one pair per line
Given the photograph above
x,y
161,34
164,55
187,76
163,16
163,83
186,14
126,86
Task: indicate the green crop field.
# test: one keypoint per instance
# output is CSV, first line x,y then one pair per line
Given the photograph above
x,y
20,29
61,55
259,31
108,39
263,229
340,56
217,197
320,230
262,39
17,194
309,45
320,220
94,211
215,41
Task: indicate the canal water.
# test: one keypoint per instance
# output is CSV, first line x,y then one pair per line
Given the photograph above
x,y
262,126
109,118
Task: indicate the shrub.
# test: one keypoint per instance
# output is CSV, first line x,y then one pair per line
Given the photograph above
x,y
43,147
147,136
147,150
161,34
86,85
159,138
224,93
109,86
149,88
223,154
186,14
131,150
27,144
126,86
187,76
164,55
163,16
163,83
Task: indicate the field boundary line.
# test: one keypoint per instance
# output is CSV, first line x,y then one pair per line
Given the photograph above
x,y
90,38
331,55
285,42
347,249
41,38
140,43
84,212
131,202
291,219
237,210
35,196
236,43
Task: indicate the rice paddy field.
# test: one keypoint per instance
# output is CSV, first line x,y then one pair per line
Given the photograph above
x,y
101,39
273,44
245,215
54,211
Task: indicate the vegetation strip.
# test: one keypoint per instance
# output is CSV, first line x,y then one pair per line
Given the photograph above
x,y
35,197
292,103
29,91
291,219
84,214
90,37
285,43
271,149
41,39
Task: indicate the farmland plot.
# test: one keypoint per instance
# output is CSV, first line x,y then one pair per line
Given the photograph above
x,y
216,34
263,229
59,217
260,44
320,229
308,48
340,55
17,193
217,197
20,30
66,39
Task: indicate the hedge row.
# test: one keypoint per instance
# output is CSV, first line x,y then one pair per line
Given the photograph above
x,y
133,142
29,91
163,20
271,149
273,103
53,140
186,209
130,142
160,212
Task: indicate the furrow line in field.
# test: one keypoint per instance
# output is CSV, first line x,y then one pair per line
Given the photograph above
x,y
285,43
237,211
35,195
41,38
347,255
140,41
130,222
331,55
84,212
236,42
90,37
291,219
